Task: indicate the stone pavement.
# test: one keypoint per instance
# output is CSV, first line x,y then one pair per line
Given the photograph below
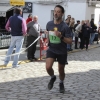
x,y
29,82
23,56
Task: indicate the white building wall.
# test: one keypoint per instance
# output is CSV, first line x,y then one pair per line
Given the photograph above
x,y
43,12
97,15
93,10
77,10
90,10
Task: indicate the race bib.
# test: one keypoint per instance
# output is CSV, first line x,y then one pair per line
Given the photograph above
x,y
53,38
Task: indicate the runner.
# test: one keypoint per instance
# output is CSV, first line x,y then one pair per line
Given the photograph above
x,y
59,36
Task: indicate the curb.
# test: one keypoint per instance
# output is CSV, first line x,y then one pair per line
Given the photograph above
x,y
79,50
27,61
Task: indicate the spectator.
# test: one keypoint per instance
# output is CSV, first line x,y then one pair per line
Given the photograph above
x,y
71,26
69,16
98,34
29,19
86,35
33,32
80,29
78,22
67,21
18,30
94,27
77,33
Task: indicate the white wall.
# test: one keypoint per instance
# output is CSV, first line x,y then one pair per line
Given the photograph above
x,y
43,12
80,11
76,10
25,15
97,15
89,11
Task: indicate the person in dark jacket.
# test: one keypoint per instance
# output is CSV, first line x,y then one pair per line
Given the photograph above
x,y
94,27
81,35
17,25
86,34
33,33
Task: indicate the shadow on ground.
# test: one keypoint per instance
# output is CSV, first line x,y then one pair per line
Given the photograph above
x,y
83,55
79,86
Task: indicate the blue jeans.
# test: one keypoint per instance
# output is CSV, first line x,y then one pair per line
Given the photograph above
x,y
92,38
18,42
68,46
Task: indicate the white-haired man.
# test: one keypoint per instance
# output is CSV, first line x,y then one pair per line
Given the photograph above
x,y
33,31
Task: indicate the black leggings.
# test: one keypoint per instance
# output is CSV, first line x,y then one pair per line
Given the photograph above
x,y
85,41
31,50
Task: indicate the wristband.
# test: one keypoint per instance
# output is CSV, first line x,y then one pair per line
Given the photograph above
x,y
62,37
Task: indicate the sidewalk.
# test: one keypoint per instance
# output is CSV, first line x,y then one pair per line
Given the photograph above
x,y
23,56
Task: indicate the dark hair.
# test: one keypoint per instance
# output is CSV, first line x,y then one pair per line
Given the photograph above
x,y
29,15
92,19
67,19
78,21
59,6
68,15
17,10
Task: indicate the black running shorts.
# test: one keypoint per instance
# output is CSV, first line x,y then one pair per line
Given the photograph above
x,y
61,58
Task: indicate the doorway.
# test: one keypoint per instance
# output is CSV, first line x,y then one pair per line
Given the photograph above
x,y
3,20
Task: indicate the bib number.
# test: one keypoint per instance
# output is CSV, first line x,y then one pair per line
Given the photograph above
x,y
53,38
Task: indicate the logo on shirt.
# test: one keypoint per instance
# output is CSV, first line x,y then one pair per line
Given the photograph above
x,y
55,29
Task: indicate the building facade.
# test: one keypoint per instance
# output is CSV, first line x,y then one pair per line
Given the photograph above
x,y
79,9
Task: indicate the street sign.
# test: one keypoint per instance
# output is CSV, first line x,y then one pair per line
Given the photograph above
x,y
17,2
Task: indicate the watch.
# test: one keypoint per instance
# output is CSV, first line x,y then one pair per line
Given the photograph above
x,y
62,37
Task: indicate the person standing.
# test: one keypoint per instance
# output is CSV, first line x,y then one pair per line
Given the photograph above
x,y
86,34
71,26
29,19
59,35
94,27
33,32
67,21
76,34
79,32
18,28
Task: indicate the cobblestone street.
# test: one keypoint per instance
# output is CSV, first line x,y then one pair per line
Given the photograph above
x,y
29,82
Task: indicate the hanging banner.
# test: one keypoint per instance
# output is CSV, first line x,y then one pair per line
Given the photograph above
x,y
17,2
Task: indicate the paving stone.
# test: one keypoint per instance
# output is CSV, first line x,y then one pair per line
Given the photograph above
x,y
29,82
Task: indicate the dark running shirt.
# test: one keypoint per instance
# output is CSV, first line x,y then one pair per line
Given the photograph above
x,y
56,45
